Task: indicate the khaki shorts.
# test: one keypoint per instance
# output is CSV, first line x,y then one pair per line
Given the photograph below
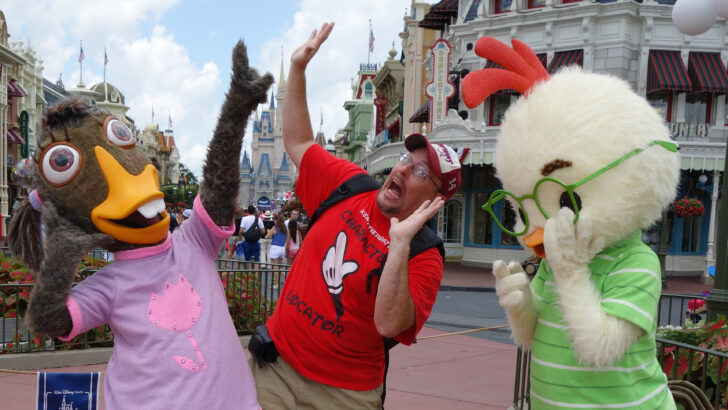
x,y
279,386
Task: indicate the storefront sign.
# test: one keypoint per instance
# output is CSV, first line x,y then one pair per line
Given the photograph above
x,y
440,89
23,120
381,138
689,129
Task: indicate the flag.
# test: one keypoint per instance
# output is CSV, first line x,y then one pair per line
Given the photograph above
x,y
152,113
106,59
81,56
371,39
170,121
322,118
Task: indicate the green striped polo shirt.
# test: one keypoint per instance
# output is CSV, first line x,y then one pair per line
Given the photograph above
x,y
628,277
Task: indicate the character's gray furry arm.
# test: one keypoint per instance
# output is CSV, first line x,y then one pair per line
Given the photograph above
x,y
64,247
514,294
598,339
221,172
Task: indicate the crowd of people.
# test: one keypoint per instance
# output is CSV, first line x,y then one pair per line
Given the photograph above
x,y
265,237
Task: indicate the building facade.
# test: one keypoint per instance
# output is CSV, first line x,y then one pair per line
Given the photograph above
x,y
683,77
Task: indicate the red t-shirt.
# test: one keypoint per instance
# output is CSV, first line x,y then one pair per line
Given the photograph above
x,y
323,324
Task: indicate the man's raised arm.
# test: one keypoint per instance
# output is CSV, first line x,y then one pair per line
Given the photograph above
x,y
297,132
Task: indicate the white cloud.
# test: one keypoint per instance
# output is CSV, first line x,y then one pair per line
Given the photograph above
x,y
154,68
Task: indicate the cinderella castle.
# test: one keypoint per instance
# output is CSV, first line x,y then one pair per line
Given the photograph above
x,y
267,174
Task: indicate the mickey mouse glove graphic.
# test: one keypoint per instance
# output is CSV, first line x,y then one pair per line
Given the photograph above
x,y
334,269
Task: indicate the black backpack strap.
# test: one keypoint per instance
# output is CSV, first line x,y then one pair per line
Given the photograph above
x,y
425,239
355,185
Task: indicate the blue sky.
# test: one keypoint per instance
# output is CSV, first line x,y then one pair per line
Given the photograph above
x,y
175,54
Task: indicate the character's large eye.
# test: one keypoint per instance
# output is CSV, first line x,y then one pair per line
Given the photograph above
x,y
118,133
60,163
566,202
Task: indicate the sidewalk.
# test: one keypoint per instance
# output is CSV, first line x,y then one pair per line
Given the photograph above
x,y
454,372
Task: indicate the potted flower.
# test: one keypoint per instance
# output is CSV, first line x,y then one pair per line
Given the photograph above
x,y
686,207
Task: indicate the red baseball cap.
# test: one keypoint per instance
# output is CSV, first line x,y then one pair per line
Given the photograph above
x,y
443,161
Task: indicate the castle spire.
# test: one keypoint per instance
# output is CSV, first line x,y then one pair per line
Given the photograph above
x,y
282,80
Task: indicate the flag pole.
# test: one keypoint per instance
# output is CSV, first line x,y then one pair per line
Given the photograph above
x,y
80,61
369,52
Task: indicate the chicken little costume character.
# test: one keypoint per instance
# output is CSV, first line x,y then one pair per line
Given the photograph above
x,y
175,345
586,164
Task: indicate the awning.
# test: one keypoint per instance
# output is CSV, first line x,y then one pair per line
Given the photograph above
x,y
564,58
542,57
422,114
707,73
435,21
702,163
14,90
477,158
393,129
449,7
14,137
666,71
382,164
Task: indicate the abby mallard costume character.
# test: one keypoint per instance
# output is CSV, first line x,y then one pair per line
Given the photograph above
x,y
175,345
585,165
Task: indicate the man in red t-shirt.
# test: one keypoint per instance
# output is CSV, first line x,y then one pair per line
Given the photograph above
x,y
352,282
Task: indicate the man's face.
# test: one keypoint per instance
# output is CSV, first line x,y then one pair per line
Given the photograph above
x,y
403,191
294,215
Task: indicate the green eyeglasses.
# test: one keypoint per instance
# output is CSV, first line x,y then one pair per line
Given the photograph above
x,y
547,186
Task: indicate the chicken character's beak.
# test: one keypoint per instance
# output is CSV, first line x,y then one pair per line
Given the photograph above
x,y
134,210
534,240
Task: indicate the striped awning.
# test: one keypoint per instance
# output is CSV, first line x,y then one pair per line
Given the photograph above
x,y
422,114
542,57
564,58
14,90
707,72
666,71
14,137
393,129
449,7
435,21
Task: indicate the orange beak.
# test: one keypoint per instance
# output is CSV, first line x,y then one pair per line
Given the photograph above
x,y
534,240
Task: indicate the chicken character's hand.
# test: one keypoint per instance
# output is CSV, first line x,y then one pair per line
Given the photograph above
x,y
334,268
511,284
570,247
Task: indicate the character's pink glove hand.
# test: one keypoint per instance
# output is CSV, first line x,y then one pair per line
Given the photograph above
x,y
570,247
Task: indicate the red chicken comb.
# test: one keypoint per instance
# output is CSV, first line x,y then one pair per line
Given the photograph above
x,y
523,70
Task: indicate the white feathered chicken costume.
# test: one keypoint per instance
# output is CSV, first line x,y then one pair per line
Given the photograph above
x,y
586,163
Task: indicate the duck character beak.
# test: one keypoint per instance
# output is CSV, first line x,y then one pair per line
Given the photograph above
x,y
134,210
534,240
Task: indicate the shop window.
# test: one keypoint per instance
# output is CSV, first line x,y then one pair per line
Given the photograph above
x,y
570,1
661,101
725,111
697,107
480,230
453,222
509,221
502,6
691,234
532,4
498,106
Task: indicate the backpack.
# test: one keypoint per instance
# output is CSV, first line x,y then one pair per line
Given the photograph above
x,y
424,239
252,234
